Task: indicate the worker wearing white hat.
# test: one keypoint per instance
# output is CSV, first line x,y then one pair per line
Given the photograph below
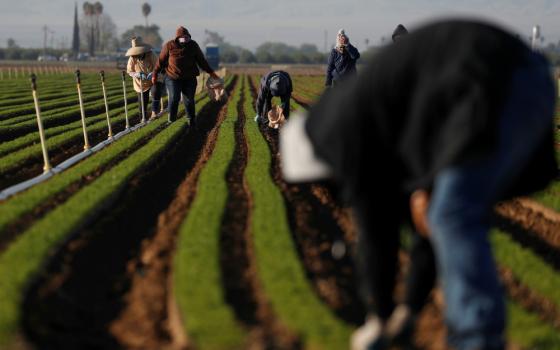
x,y
141,64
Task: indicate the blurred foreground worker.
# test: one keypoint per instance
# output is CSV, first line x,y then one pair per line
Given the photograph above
x,y
399,33
180,59
274,84
141,63
458,111
342,60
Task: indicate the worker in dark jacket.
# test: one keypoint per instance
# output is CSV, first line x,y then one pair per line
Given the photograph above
x,y
180,59
274,84
465,123
342,60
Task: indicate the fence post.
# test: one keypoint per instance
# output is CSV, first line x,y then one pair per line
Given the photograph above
x,y
47,165
83,113
102,75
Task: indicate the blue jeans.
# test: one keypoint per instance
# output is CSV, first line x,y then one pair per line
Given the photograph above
x,y
186,87
462,202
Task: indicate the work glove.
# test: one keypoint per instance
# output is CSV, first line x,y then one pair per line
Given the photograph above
x,y
149,76
257,118
136,75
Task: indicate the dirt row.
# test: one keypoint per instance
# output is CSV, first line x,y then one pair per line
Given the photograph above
x,y
108,285
25,221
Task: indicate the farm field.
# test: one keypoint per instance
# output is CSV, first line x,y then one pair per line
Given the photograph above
x,y
174,238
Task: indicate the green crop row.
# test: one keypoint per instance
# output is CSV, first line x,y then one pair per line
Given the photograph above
x,y
283,277
54,85
8,114
24,256
16,159
33,138
208,320
73,113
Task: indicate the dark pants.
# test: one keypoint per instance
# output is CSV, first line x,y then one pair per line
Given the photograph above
x,y
158,90
146,100
185,87
377,260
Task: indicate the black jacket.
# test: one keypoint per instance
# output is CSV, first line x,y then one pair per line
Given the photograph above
x,y
264,98
341,65
429,101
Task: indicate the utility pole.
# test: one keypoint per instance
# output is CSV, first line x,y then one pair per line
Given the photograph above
x,y
45,32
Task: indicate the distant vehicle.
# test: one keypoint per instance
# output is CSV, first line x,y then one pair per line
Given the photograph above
x,y
44,58
213,55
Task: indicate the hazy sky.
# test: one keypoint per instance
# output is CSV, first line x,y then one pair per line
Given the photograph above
x,y
251,22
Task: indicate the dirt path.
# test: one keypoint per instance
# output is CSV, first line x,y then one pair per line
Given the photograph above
x,y
243,290
92,288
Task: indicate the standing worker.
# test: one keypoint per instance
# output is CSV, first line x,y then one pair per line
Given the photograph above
x,y
141,63
456,128
274,84
180,59
342,60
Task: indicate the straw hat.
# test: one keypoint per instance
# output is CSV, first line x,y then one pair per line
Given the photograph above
x,y
138,47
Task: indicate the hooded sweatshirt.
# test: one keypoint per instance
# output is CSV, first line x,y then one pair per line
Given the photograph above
x,y
181,61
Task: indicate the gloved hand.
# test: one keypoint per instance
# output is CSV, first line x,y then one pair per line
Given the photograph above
x,y
136,75
149,76
257,118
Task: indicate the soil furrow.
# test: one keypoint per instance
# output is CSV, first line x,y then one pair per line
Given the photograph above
x,y
25,221
531,229
529,299
239,272
533,217
150,318
314,231
34,166
75,301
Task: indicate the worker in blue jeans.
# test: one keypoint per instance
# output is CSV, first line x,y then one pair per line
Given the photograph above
x,y
179,60
457,113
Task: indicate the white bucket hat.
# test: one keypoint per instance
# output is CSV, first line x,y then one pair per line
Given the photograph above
x,y
138,47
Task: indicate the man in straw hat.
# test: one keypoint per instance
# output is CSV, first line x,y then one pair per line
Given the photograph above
x,y
342,60
274,84
439,135
180,59
141,64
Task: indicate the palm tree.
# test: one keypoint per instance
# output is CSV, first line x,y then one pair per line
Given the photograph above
x,y
146,9
97,11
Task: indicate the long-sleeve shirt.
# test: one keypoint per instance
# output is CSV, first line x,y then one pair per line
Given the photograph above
x,y
264,99
181,62
145,66
341,64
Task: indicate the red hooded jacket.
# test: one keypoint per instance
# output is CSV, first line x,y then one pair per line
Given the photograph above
x,y
181,61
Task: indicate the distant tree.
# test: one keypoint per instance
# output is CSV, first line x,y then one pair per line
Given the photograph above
x,y
76,33
146,10
246,56
150,35
229,57
99,30
11,43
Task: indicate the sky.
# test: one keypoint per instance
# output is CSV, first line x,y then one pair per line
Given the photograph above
x,y
249,23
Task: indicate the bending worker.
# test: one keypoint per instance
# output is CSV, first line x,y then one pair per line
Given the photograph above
x,y
460,111
274,84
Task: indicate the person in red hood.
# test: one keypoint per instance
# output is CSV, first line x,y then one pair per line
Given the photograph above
x,y
180,59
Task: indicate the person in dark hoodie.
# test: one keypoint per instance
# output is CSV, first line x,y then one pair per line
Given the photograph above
x,y
459,113
274,84
180,59
342,60
399,33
